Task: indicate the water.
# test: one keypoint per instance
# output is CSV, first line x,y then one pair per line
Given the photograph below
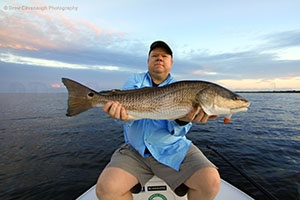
x,y
46,155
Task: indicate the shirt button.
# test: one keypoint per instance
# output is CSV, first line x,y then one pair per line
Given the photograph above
x,y
147,123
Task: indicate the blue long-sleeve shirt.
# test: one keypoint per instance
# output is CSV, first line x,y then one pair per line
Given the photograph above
x,y
164,139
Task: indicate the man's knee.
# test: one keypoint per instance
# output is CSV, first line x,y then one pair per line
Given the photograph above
x,y
104,190
115,183
214,183
206,181
99,189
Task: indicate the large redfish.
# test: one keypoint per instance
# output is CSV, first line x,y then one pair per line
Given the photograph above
x,y
170,102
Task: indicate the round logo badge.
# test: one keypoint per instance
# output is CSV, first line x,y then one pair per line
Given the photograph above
x,y
157,196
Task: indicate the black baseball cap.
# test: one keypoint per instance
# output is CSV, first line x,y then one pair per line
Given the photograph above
x,y
161,44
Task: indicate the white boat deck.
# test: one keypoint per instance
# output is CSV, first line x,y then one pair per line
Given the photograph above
x,y
156,189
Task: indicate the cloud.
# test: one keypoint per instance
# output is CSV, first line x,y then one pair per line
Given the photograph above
x,y
30,29
202,72
258,63
18,46
53,31
54,36
285,45
280,83
56,85
9,58
282,39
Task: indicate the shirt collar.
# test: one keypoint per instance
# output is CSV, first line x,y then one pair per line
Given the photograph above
x,y
166,82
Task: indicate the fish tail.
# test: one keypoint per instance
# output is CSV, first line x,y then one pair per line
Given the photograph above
x,y
80,97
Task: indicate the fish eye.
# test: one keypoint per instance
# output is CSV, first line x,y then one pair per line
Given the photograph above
x,y
239,98
90,94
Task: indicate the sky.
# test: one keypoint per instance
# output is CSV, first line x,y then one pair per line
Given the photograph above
x,y
241,45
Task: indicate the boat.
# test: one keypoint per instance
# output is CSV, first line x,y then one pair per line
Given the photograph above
x,y
157,189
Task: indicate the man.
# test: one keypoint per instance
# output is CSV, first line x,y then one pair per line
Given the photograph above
x,y
157,147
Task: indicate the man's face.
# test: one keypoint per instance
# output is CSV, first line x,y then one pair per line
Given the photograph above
x,y
159,64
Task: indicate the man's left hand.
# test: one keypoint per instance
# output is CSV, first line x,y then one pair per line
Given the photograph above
x,y
201,117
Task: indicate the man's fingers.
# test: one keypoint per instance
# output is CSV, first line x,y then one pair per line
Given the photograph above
x,y
191,115
117,113
202,117
115,110
107,106
199,116
124,115
112,109
213,117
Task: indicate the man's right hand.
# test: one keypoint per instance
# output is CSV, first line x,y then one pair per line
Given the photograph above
x,y
116,110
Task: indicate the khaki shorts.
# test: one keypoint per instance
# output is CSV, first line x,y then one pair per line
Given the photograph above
x,y
128,159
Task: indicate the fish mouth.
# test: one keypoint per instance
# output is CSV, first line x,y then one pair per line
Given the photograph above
x,y
240,109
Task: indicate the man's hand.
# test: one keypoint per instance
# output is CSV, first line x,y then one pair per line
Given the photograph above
x,y
201,117
116,110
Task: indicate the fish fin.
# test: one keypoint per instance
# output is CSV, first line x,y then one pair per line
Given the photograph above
x,y
79,97
227,118
131,118
110,92
197,109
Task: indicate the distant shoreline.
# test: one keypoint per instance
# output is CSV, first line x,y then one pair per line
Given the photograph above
x,y
274,91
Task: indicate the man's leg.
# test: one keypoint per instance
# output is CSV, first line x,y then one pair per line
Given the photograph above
x,y
115,183
203,184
